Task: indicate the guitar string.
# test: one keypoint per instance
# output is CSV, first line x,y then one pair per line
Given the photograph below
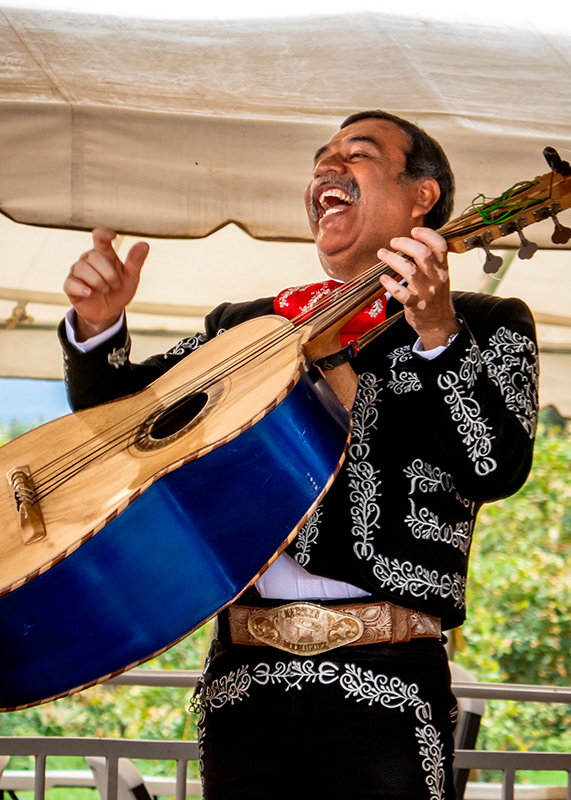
x,y
327,309
321,309
329,304
324,312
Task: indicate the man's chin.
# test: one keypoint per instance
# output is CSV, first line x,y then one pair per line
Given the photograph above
x,y
341,259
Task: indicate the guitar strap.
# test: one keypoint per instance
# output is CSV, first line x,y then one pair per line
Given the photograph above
x,y
354,347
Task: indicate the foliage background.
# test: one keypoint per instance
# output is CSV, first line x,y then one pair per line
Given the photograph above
x,y
519,599
518,629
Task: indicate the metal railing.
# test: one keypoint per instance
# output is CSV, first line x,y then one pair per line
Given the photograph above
x,y
40,747
507,762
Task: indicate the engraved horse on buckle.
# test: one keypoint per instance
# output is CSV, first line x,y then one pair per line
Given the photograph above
x,y
304,629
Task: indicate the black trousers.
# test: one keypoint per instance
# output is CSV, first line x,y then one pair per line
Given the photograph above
x,y
356,723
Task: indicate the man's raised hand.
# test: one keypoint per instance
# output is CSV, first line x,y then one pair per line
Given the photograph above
x,y
100,285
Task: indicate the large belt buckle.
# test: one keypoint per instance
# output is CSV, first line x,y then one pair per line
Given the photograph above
x,y
304,629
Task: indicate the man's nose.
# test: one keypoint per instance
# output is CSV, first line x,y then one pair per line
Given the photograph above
x,y
331,162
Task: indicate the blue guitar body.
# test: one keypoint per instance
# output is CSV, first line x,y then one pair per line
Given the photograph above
x,y
187,547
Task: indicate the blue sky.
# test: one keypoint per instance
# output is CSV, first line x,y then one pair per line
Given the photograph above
x,y
30,401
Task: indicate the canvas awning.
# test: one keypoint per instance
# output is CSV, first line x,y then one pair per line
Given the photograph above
x,y
175,129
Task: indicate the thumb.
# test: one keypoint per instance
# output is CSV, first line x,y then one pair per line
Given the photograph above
x,y
136,258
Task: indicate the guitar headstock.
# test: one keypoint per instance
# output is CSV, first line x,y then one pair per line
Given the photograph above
x,y
524,204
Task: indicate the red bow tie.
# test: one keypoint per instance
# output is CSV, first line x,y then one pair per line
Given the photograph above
x,y
302,299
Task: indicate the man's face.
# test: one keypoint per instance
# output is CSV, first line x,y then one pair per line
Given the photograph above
x,y
359,198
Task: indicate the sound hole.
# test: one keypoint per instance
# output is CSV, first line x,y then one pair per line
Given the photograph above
x,y
176,417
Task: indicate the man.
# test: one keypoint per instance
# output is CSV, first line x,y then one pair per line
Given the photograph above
x,y
444,409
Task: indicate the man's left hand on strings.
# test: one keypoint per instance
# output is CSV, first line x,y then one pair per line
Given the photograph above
x,y
426,294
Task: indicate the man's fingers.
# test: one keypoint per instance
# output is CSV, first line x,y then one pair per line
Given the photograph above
x,y
97,271
75,289
401,293
136,258
103,243
434,241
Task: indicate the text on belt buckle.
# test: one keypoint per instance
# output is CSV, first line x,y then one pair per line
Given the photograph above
x,y
304,629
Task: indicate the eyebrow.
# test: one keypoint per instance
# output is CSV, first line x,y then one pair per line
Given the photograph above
x,y
368,139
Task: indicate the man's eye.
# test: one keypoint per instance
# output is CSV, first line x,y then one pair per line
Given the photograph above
x,y
358,154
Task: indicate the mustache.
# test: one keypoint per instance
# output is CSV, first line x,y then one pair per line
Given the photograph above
x,y
350,185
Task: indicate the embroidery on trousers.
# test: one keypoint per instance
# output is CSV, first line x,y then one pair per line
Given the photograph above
x,y
358,684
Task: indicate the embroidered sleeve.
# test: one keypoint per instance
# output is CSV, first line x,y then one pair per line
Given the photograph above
x,y
484,393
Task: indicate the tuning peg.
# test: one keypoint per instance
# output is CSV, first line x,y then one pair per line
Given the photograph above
x,y
492,262
527,249
555,161
483,240
561,234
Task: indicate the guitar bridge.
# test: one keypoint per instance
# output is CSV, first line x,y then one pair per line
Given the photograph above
x,y
32,527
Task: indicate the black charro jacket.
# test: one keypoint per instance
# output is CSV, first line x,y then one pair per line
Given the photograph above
x,y
432,441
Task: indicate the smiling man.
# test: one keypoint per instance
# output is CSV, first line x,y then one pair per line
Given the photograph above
x,y
357,703
359,176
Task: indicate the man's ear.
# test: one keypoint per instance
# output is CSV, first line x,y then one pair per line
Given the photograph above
x,y
427,195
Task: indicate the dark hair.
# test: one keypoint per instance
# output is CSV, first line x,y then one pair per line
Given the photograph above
x,y
426,158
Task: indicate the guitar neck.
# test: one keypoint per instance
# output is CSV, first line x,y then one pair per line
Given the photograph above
x,y
533,202
524,204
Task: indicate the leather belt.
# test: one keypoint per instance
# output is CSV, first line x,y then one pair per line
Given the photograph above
x,y
305,629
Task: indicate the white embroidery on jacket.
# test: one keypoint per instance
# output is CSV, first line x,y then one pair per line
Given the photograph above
x,y
465,410
406,380
427,478
471,365
118,357
306,537
419,581
425,524
510,360
363,478
187,345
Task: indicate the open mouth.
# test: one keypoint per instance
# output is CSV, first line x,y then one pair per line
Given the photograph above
x,y
332,199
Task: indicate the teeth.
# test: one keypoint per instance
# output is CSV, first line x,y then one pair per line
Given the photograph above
x,y
339,193
334,210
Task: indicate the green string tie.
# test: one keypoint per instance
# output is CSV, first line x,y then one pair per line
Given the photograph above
x,y
506,206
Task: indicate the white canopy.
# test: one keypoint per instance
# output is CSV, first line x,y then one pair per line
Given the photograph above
x,y
170,128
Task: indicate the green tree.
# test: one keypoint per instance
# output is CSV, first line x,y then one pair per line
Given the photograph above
x,y
519,600
15,428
